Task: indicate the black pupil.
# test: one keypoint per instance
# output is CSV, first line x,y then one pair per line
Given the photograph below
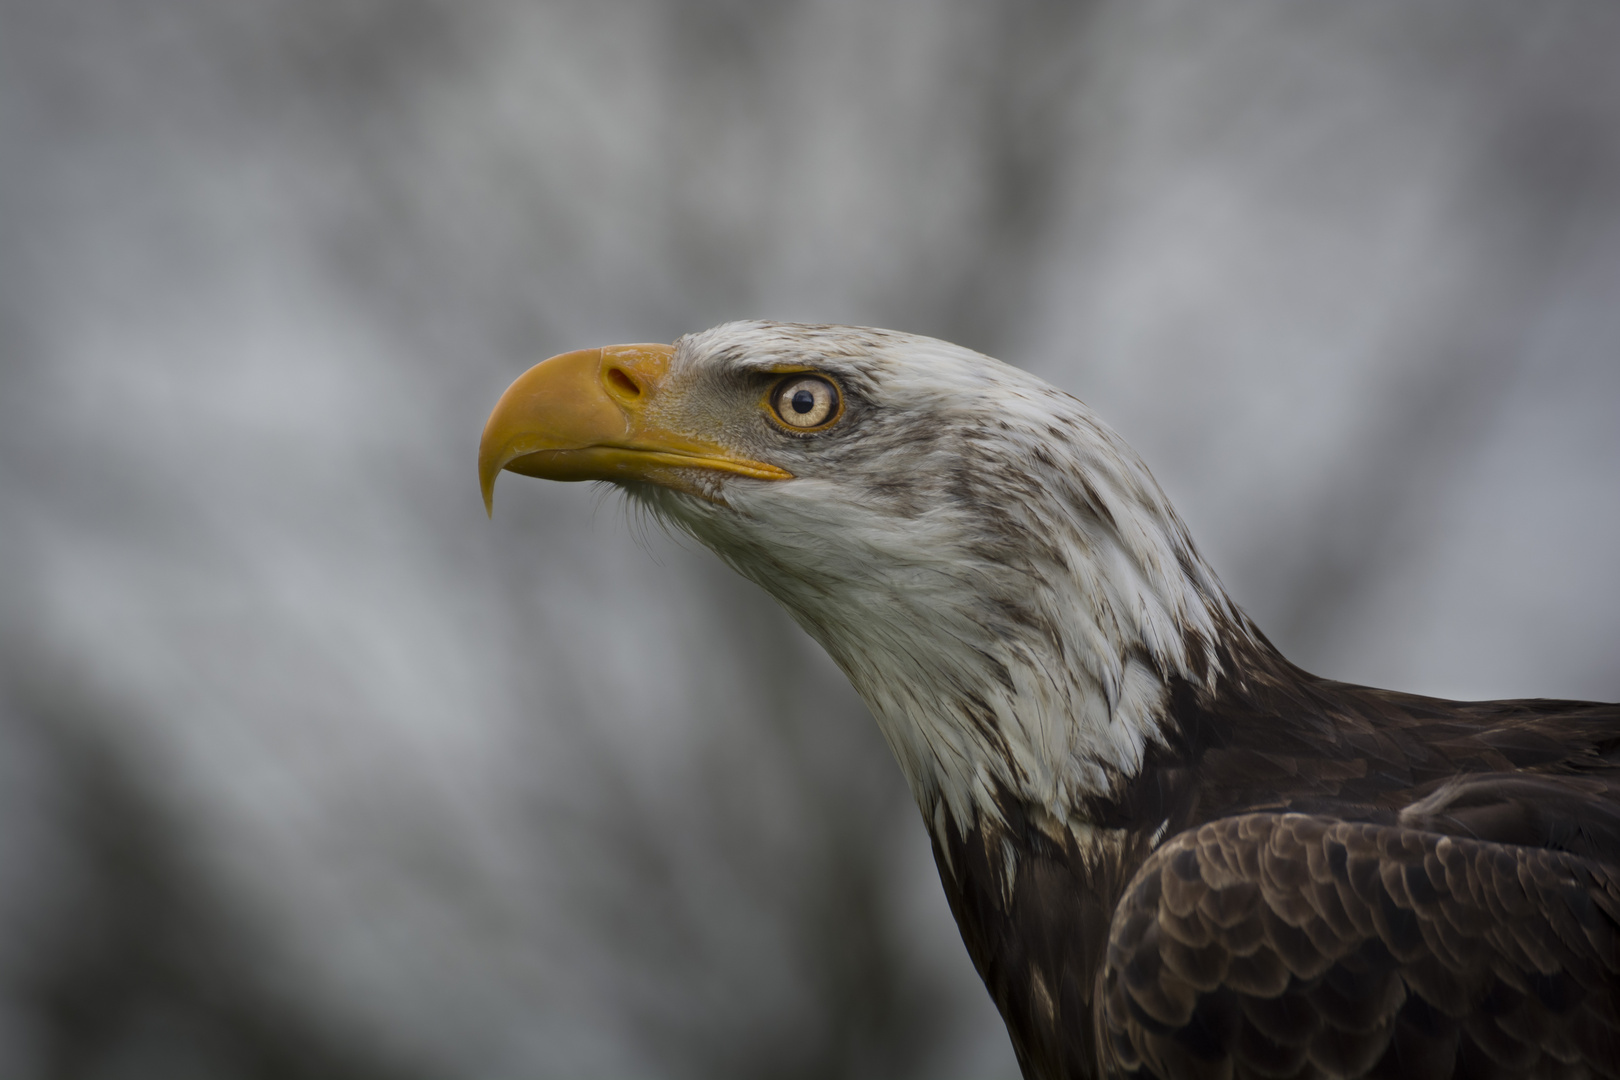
x,y
803,401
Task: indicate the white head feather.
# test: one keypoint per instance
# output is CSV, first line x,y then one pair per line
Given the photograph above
x,y
997,573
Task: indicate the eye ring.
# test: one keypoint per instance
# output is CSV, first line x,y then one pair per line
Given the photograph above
x,y
805,402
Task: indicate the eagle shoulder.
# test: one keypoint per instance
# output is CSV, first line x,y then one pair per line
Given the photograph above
x,y
1282,944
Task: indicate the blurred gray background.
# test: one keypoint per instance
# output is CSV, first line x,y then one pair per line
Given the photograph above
x,y
307,769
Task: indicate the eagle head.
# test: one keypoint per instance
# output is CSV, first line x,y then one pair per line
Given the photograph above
x,y
995,571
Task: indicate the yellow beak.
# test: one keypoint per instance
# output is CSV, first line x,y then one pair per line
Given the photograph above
x,y
584,416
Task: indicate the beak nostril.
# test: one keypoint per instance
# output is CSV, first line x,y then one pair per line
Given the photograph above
x,y
622,384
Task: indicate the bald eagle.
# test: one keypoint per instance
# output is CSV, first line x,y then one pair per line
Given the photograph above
x,y
1170,851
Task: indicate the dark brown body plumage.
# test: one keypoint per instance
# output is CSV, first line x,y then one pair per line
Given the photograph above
x,y
1352,882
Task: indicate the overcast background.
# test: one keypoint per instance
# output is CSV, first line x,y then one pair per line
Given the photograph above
x,y
307,769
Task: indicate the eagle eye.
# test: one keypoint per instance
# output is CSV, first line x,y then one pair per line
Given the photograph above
x,y
806,401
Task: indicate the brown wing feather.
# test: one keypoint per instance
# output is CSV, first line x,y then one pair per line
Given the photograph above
x,y
1283,945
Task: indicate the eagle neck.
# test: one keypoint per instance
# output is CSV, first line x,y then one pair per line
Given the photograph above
x,y
1029,657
